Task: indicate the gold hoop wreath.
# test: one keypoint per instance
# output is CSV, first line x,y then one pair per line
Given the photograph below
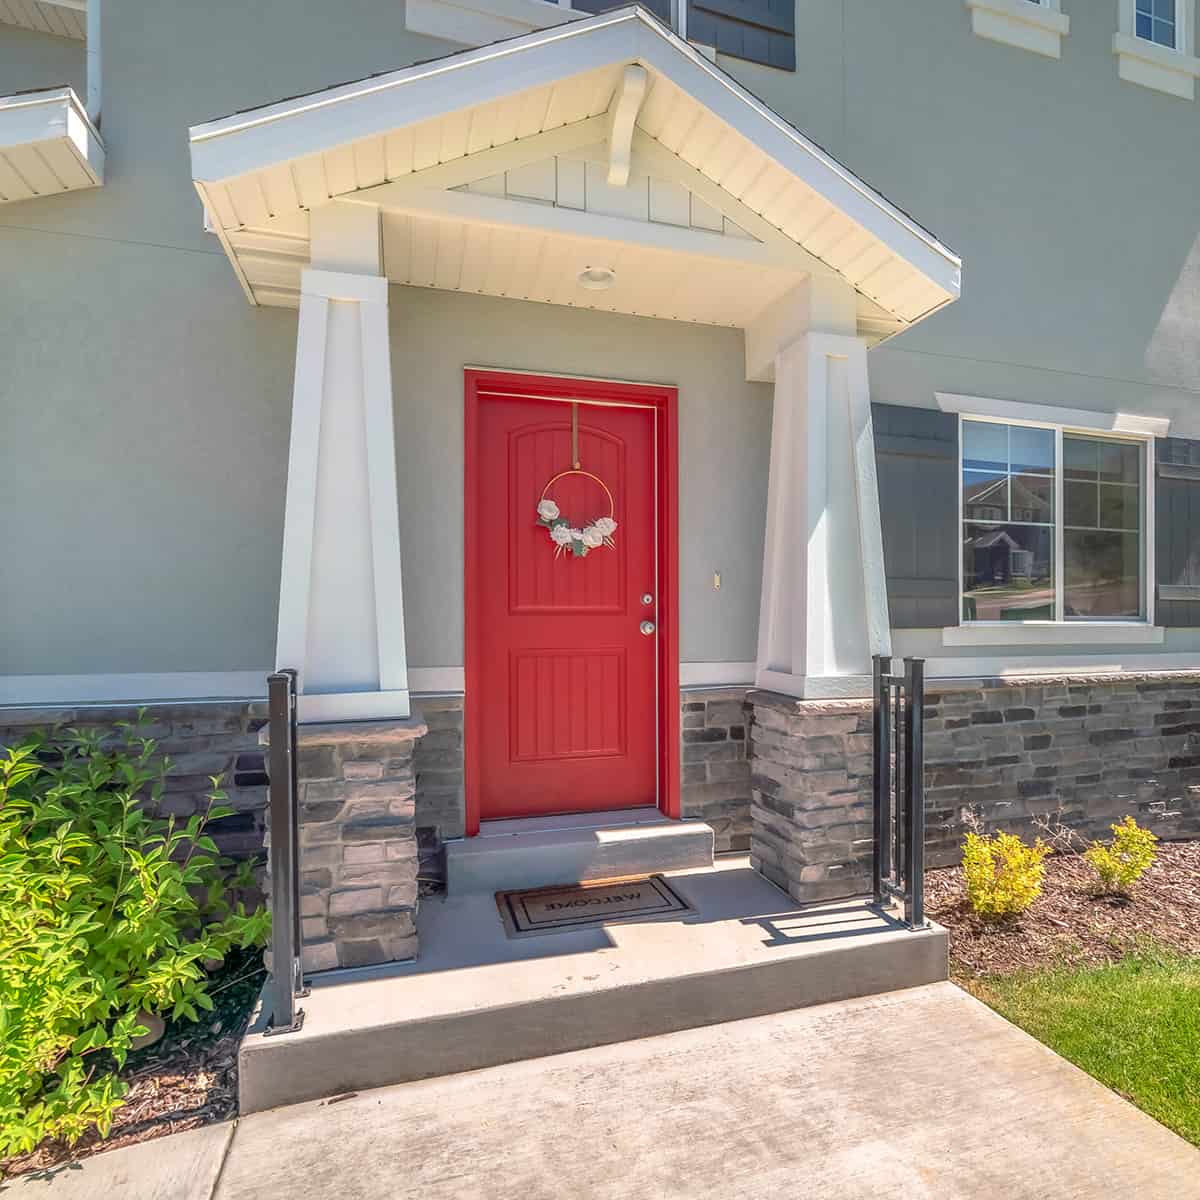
x,y
578,540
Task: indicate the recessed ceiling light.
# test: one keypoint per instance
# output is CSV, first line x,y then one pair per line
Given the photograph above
x,y
597,279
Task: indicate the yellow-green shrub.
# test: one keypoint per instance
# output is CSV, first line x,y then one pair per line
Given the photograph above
x,y
1124,860
1004,876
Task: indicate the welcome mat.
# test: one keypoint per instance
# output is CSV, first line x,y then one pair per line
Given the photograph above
x,y
578,905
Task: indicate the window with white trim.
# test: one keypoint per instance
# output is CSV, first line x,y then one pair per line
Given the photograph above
x,y
1154,21
1053,524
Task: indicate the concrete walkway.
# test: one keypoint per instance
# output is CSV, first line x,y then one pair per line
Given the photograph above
x,y
921,1093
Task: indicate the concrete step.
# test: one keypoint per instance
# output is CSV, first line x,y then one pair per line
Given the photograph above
x,y
543,851
476,998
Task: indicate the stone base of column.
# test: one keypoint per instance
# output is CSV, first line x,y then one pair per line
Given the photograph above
x,y
811,806
358,847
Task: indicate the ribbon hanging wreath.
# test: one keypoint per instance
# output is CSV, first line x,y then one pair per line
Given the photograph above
x,y
567,536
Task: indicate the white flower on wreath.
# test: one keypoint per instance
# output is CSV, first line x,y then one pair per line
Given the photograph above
x,y
604,526
547,510
576,534
592,538
561,535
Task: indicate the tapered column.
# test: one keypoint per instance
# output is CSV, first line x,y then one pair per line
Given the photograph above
x,y
341,613
824,601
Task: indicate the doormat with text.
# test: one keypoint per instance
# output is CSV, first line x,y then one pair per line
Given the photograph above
x,y
579,905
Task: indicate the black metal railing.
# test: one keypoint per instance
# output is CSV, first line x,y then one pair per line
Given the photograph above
x,y
286,982
899,787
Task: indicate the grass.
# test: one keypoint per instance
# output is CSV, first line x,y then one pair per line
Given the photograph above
x,y
1133,1025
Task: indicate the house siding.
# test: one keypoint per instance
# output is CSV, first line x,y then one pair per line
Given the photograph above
x,y
145,406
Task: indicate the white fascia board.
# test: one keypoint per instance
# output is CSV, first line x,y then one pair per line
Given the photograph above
x,y
1136,424
276,133
240,144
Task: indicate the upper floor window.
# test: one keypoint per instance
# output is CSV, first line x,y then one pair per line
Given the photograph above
x,y
1154,45
1154,20
1053,524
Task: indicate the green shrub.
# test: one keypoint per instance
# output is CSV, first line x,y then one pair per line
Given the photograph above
x,y
104,912
1124,860
1004,876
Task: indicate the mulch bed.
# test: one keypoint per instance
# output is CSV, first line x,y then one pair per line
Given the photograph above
x,y
1069,924
187,1079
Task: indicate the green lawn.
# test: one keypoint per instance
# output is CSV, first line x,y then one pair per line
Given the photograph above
x,y
1134,1026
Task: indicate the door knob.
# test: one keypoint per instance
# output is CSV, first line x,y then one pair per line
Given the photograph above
x,y
647,627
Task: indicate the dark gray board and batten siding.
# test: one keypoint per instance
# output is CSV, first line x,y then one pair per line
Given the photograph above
x,y
760,31
916,458
1177,533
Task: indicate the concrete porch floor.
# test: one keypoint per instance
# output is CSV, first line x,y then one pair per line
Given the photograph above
x,y
477,998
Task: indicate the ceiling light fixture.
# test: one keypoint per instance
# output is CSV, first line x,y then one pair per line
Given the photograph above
x,y
597,279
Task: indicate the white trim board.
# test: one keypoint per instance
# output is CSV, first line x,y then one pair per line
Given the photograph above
x,y
1137,424
451,680
1054,633
1081,664
157,687
59,690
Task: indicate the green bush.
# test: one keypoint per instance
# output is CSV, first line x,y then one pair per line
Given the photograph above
x,y
1124,860
105,912
1004,876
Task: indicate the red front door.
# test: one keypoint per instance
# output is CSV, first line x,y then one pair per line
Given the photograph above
x,y
563,670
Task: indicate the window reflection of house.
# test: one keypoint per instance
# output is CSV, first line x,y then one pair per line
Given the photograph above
x,y
994,558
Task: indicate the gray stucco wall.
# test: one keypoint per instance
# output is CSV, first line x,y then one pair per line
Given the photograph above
x,y
1067,192
35,60
144,406
724,434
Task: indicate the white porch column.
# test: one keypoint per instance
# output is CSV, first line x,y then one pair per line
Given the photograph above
x,y
824,599
341,613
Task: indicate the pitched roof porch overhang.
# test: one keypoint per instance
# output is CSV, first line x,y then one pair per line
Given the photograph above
x,y
607,143
603,164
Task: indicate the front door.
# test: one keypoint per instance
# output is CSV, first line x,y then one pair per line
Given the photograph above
x,y
562,595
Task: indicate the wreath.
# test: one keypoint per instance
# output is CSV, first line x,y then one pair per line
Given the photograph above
x,y
567,536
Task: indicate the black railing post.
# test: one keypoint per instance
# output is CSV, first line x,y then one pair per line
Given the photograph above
x,y
285,980
881,866
914,792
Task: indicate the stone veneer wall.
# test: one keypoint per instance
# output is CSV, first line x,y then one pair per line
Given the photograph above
x,y
715,768
358,846
439,764
201,738
811,807
1081,751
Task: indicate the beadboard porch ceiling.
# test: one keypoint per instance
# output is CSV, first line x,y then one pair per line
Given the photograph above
x,y
437,146
62,18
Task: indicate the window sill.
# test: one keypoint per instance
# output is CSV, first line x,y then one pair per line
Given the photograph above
x,y
480,22
1054,633
1154,66
1019,23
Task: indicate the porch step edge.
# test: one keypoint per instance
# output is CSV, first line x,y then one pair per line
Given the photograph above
x,y
273,1073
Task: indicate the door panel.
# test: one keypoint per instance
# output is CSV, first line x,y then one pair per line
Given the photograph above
x,y
567,682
